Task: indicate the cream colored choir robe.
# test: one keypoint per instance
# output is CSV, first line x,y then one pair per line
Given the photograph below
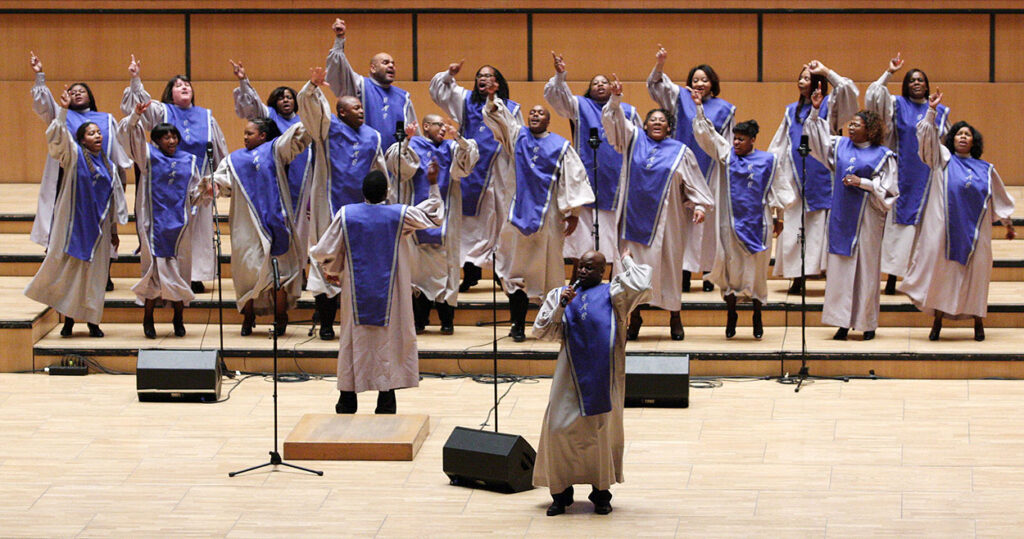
x,y
934,282
737,271
898,240
687,193
375,358
842,106
561,98
46,107
578,449
344,80
534,263
252,268
204,259
852,288
480,231
248,105
699,254
316,112
435,268
74,287
167,278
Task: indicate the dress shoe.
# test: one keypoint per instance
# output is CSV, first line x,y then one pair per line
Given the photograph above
x,y
602,501
247,323
198,287
979,330
148,330
94,330
518,333
686,281
841,334
347,403
110,285
447,330
179,326
708,287
327,333
758,325
676,330
797,287
890,286
868,335
560,501
386,403
730,324
69,326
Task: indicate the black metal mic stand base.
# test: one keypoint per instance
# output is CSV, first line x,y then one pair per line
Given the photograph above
x,y
275,460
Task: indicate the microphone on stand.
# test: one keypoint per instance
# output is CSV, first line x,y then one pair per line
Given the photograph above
x,y
594,141
209,162
400,131
575,286
804,149
277,273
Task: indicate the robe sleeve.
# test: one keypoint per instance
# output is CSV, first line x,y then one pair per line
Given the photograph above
x,y
330,252
843,103
559,96
782,193
573,188
464,158
695,187
133,138
879,100
819,139
780,147
426,214
291,143
222,179
631,287
247,102
1002,202
409,161
314,112
663,91
883,185
617,129
220,146
343,79
501,122
134,94
195,195
43,103
547,326
448,95
929,147
710,140
410,115
59,143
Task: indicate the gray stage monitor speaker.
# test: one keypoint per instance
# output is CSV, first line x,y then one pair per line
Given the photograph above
x,y
658,381
178,375
490,460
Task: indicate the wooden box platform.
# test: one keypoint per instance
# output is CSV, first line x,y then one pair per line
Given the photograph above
x,y
357,437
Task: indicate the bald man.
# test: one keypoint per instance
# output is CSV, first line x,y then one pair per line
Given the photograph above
x,y
550,189
581,439
436,260
383,102
346,151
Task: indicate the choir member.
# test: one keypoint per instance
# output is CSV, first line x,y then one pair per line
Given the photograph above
x,y
952,262
815,184
663,191
863,190
701,241
900,115
85,219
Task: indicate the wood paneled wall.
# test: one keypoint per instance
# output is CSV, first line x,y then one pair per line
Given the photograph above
x,y
975,57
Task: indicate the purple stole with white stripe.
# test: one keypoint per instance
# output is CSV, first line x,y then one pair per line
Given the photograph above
x,y
717,110
297,168
849,202
169,178
537,160
105,121
194,125
750,179
90,204
913,173
817,182
352,154
651,166
609,161
968,186
473,128
589,328
427,152
384,107
257,173
372,239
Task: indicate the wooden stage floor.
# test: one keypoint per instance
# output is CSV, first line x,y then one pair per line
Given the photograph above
x,y
81,457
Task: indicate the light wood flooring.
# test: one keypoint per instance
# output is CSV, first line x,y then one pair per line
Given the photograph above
x,y
81,457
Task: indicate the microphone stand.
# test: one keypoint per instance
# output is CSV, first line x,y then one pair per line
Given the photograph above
x,y
803,150
400,136
275,457
217,250
595,142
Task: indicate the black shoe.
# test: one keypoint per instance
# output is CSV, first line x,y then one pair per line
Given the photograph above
x,y
110,284
386,403
179,326
247,323
868,335
797,287
841,334
890,286
198,287
69,326
447,315
470,276
934,334
686,281
327,333
676,330
635,321
979,330
708,287
347,403
560,501
148,330
758,325
730,324
518,333
447,330
327,309
94,330
602,501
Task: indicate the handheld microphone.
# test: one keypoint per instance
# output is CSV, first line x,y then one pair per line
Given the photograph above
x,y
400,131
594,140
575,286
804,148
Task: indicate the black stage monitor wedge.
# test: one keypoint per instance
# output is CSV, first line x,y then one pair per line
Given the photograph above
x,y
658,381
178,375
491,460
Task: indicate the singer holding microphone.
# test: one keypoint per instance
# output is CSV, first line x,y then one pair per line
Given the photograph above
x,y
261,220
581,439
166,206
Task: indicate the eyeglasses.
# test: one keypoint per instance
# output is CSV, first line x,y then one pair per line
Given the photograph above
x,y
486,76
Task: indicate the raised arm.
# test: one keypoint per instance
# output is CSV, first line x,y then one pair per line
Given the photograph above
x,y
330,252
663,91
573,189
929,146
400,154
464,157
222,179
816,129
430,212
502,123
247,100
342,79
59,142
843,104
133,138
447,93
43,103
632,286
547,325
314,111
558,94
135,93
291,143
878,98
617,129
709,139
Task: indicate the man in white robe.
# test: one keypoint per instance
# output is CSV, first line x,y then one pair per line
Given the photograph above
x,y
581,439
377,346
